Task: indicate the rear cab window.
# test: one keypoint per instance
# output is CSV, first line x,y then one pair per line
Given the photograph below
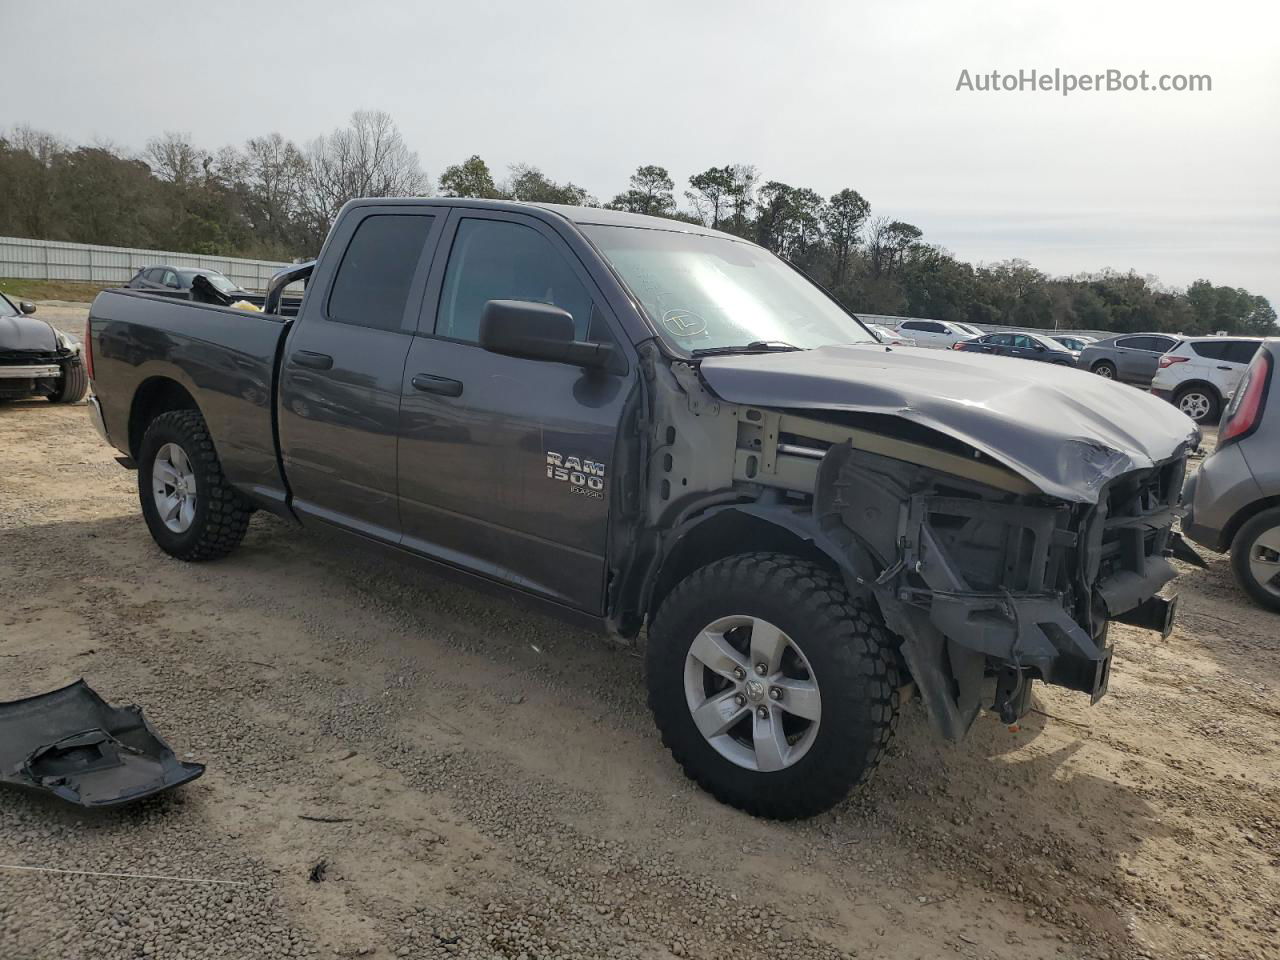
x,y
372,284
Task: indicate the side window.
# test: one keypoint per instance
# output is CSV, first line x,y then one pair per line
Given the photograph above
x,y
1241,351
169,279
913,325
1211,349
501,260
1132,343
1023,341
1162,344
372,283
999,339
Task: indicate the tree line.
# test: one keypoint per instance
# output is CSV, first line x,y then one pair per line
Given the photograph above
x,y
274,199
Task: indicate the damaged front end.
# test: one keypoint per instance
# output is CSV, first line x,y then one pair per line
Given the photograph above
x,y
992,587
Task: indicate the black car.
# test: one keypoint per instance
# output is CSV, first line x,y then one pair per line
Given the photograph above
x,y
167,278
1029,346
35,359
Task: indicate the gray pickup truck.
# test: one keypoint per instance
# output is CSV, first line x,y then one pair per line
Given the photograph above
x,y
638,423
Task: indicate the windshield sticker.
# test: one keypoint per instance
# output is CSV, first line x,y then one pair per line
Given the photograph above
x,y
684,324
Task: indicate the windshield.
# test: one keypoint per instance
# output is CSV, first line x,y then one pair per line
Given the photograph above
x,y
7,309
968,328
220,283
705,292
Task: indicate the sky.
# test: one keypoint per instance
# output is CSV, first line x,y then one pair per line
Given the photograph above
x,y
826,94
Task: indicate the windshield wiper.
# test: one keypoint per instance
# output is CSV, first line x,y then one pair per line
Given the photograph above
x,y
755,346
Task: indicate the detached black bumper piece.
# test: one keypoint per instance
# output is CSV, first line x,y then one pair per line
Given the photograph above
x,y
75,745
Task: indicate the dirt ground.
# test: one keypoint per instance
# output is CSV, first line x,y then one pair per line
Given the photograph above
x,y
490,784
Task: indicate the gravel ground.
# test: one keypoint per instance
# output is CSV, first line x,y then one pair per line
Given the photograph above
x,y
490,785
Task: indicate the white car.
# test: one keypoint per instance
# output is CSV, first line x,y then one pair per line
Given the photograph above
x,y
1199,374
889,336
938,334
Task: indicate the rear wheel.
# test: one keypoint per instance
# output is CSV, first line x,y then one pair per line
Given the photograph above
x,y
1105,369
773,688
1201,404
73,384
190,509
1255,558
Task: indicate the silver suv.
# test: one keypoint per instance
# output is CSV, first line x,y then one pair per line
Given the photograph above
x,y
1234,499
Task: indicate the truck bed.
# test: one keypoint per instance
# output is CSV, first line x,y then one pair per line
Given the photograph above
x,y
225,358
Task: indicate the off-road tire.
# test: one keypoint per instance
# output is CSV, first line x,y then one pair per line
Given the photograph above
x,y
1107,365
852,660
73,384
1240,546
1211,415
221,514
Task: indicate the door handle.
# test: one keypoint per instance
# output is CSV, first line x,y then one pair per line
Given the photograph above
x,y
441,385
1224,368
316,361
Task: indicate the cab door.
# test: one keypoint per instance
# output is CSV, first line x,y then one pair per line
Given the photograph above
x,y
505,462
343,364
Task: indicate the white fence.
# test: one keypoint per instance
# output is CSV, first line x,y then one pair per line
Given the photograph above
x,y
53,260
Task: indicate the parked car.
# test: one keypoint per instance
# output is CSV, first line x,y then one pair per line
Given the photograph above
x,y
1129,357
1073,342
1027,346
938,334
1199,374
889,336
634,422
37,360
166,278
1234,498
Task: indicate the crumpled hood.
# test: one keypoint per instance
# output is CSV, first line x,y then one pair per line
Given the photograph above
x,y
1067,431
25,333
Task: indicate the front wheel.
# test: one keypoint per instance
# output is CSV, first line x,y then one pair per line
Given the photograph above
x,y
190,509
772,688
73,384
1105,369
1255,558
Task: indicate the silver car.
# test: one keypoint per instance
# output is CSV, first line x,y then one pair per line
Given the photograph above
x,y
1234,499
1129,357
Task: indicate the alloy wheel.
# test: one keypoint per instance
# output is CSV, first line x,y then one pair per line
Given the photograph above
x,y
752,694
173,484
1195,405
1264,560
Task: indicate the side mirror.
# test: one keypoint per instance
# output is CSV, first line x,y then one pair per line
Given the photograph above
x,y
26,306
540,331
1040,348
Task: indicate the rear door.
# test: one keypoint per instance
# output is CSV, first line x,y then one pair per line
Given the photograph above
x,y
926,332
504,462
1137,357
343,366
1001,343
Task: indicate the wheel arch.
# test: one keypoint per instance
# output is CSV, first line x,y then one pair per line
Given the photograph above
x,y
746,528
154,396
1243,516
1200,384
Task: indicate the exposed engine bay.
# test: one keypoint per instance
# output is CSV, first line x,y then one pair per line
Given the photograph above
x,y
989,576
